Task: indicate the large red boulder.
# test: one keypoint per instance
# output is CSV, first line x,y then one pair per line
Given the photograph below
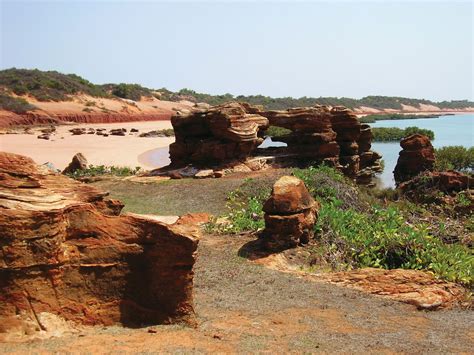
x,y
416,156
66,250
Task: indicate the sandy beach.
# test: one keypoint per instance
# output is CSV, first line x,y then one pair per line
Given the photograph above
x,y
125,150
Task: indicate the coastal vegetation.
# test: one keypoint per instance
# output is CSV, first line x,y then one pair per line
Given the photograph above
x,y
128,91
274,131
355,229
55,86
15,104
455,158
104,170
47,85
387,134
394,116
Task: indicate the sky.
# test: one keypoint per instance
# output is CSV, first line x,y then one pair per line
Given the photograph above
x,y
352,48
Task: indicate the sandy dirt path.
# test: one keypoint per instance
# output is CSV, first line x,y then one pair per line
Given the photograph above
x,y
99,150
243,307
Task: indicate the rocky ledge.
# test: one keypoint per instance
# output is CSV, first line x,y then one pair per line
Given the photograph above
x,y
66,250
228,136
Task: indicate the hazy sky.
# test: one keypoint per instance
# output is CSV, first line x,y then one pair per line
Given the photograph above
x,y
352,49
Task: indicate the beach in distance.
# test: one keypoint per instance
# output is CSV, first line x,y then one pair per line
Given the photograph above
x,y
124,151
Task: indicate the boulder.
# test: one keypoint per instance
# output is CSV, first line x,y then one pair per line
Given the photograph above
x,y
417,156
222,133
79,162
78,131
118,132
448,182
290,215
67,251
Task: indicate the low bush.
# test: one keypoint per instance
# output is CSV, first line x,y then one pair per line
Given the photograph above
x,y
100,170
354,231
455,158
14,104
274,131
393,116
386,134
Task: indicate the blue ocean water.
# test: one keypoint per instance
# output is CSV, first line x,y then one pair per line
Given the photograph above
x,y
448,130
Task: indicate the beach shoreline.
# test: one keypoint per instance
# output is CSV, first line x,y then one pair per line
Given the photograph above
x,y
126,151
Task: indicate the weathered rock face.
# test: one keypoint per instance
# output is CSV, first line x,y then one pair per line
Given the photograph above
x,y
231,133
210,137
417,155
444,181
290,214
65,250
312,137
78,162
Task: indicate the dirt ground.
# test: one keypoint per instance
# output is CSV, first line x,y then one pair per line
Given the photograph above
x,y
244,307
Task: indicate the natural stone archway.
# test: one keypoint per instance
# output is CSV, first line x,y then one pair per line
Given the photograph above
x,y
229,134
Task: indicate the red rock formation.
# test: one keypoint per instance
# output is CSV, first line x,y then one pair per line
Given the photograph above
x,y
416,156
419,288
65,250
229,134
312,138
290,214
446,181
222,133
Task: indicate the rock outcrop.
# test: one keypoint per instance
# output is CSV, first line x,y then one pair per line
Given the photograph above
x,y
416,287
66,250
312,137
445,181
78,162
211,137
290,214
417,156
229,134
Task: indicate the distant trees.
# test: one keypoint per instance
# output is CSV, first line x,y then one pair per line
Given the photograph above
x,y
387,134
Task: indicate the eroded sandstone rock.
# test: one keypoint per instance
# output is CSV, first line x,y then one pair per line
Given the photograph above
x,y
78,162
417,155
290,214
228,136
66,250
222,133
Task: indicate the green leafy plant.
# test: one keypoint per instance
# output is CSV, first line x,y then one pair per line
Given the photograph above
x,y
455,157
100,170
385,134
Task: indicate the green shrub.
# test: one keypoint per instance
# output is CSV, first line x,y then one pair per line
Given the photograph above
x,y
385,134
393,116
100,170
47,85
15,104
455,158
352,232
382,238
274,131
128,91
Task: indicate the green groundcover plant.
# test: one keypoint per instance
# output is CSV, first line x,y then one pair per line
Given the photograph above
x,y
352,233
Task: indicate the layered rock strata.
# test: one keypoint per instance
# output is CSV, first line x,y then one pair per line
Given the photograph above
x,y
219,134
231,133
66,250
290,214
417,155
